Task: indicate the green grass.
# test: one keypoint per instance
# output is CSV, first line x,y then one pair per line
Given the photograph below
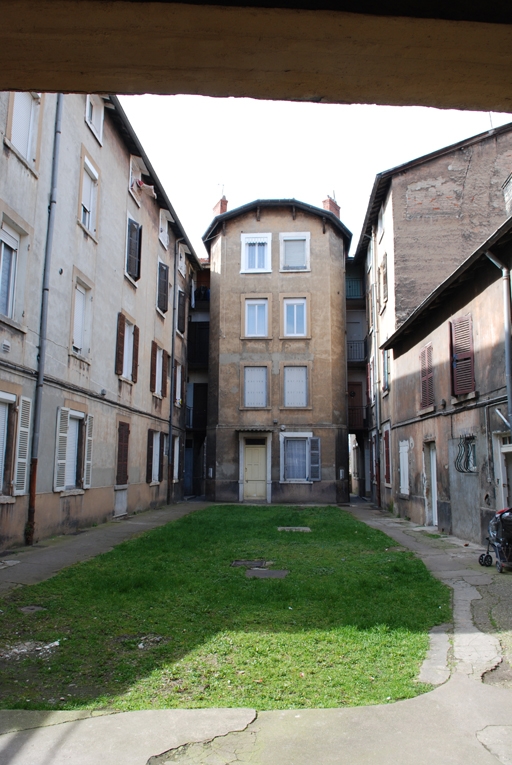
x,y
348,626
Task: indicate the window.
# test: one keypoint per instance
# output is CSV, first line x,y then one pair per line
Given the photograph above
x,y
178,384
182,261
294,251
94,113
80,340
163,229
403,454
158,372
256,318
127,349
427,377
176,458
387,455
295,386
463,373
295,317
381,223
14,450
182,310
89,196
123,436
256,253
465,462
73,450
385,370
25,119
155,457
300,457
384,279
162,299
8,260
255,387
133,249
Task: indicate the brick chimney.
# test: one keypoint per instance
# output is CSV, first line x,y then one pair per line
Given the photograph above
x,y
331,205
222,206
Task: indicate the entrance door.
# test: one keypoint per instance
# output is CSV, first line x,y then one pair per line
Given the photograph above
x,y
255,460
431,487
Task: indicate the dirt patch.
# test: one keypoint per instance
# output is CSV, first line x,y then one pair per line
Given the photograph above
x,y
30,648
501,676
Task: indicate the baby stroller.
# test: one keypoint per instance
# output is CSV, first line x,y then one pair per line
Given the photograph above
x,y
500,539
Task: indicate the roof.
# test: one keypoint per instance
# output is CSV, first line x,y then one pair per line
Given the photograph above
x,y
134,146
383,180
211,231
441,294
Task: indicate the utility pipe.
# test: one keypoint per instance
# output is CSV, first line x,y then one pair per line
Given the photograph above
x,y
170,455
507,322
376,368
36,426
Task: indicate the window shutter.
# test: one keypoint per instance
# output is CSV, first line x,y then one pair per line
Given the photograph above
x,y
133,249
181,312
294,253
4,421
427,377
152,374
122,453
165,365
163,287
121,325
88,452
61,445
22,443
161,458
403,451
135,359
78,319
255,379
149,458
295,386
315,472
463,374
175,374
387,464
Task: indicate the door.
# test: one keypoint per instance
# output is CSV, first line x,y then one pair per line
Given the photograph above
x,y
430,457
255,459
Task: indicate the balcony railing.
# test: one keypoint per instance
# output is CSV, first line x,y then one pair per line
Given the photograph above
x,y
356,350
354,288
357,419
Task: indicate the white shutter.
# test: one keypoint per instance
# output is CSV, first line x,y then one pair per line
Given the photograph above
x,y
78,319
255,380
22,123
295,386
314,457
4,416
158,375
61,444
22,443
294,253
403,453
88,452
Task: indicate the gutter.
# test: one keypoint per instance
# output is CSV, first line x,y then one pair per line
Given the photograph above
x,y
170,454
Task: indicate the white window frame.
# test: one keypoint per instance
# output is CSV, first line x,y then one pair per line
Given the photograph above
x,y
306,436
95,102
247,239
155,462
247,375
403,461
79,347
252,302
8,238
294,235
294,302
128,350
285,374
159,371
62,453
28,153
88,207
179,385
163,227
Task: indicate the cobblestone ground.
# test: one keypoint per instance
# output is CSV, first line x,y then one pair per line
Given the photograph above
x,y
234,749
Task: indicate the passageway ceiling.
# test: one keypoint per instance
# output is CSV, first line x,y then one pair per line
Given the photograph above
x,y
328,51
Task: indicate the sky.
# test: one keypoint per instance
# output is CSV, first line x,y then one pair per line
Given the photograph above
x,y
202,147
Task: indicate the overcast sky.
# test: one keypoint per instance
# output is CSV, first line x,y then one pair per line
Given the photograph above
x,y
251,149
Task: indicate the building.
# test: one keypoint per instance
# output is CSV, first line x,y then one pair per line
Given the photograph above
x,y
277,406
450,449
424,218
112,254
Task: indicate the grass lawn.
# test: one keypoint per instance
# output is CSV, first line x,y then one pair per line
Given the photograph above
x,y
164,621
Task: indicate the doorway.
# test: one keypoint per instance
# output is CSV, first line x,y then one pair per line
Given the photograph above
x,y
255,469
430,459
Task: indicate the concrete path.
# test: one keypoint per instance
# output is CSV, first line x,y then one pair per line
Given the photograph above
x,y
462,722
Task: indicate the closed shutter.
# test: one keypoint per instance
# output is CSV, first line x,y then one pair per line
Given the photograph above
x,y
122,453
161,457
61,447
427,377
165,366
163,287
133,249
135,358
387,463
121,327
178,384
294,254
463,375
78,319
88,452
152,373
403,453
181,312
255,386
22,443
149,457
315,471
295,386
4,419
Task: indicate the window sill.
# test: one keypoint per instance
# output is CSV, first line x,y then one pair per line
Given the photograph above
x,y
6,499
306,269
86,231
255,337
295,337
157,395
178,404
254,408
404,496
385,393
72,492
13,324
130,279
160,312
295,408
154,483
21,158
464,397
79,357
120,486
258,271
126,380
298,481
427,410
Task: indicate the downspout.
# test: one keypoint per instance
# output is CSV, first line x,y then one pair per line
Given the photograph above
x,y
170,456
36,426
507,326
376,387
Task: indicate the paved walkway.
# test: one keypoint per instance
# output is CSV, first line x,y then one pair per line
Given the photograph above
x,y
462,722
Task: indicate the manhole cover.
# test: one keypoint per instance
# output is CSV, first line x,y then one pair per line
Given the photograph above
x,y
249,563
265,573
294,528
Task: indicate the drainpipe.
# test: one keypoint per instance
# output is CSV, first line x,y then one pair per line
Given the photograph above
x,y
170,456
36,426
507,325
376,385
